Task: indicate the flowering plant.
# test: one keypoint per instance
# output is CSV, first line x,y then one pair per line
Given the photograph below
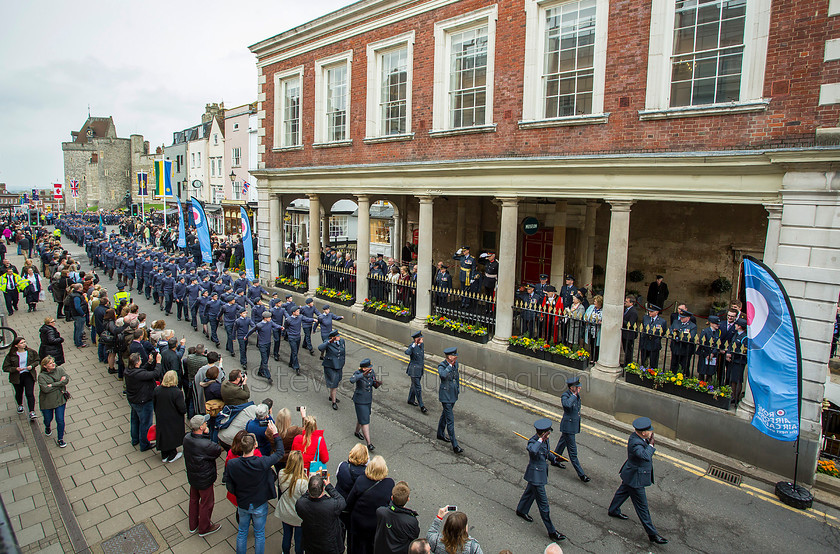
x,y
455,325
332,293
529,343
379,305
289,282
828,467
660,377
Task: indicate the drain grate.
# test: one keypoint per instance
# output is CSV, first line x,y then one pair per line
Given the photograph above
x,y
724,475
135,540
172,535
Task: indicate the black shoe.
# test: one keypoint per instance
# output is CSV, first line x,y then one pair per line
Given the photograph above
x,y
331,400
657,539
371,448
457,449
525,516
297,372
412,403
561,465
442,438
359,436
311,352
618,515
424,410
585,478
112,371
334,405
557,536
276,358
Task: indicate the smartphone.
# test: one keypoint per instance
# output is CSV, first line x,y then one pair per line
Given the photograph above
x,y
297,408
325,473
452,508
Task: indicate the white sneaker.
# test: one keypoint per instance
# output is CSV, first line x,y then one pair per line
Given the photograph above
x,y
176,457
20,409
32,416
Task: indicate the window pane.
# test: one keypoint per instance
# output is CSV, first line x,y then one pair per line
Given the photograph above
x,y
393,92
569,56
337,103
291,112
468,77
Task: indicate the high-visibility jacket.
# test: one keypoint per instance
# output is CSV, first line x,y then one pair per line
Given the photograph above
x,y
20,282
118,297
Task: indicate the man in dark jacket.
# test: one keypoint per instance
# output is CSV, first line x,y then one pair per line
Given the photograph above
x,y
396,525
140,385
171,357
320,511
200,455
251,480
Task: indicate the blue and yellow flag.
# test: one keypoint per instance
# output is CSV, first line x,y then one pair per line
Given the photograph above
x,y
163,178
142,183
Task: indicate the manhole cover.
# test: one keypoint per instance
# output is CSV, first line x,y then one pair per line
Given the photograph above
x,y
135,540
724,475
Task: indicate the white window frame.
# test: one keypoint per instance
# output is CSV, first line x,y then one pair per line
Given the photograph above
x,y
373,129
236,156
383,224
441,125
658,97
237,190
341,223
321,67
533,93
280,107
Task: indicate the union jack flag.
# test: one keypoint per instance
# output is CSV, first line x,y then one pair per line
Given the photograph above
x,y
74,188
245,185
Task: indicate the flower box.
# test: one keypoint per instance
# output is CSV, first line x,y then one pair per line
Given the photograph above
x,y
721,402
455,328
403,318
338,301
480,339
569,362
291,288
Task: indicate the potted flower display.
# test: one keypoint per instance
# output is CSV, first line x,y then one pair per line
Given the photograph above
x,y
336,296
469,331
397,312
680,385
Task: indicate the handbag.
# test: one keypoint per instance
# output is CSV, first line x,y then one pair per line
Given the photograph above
x,y
213,407
67,395
316,464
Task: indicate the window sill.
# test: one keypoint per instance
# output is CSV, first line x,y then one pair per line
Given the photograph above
x,y
389,138
702,111
463,131
288,148
334,144
593,119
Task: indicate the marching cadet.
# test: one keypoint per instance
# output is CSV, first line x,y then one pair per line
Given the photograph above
x,y
450,387
191,304
309,310
292,324
334,350
416,358
650,343
230,311
241,327
365,380
265,330
536,475
213,310
682,348
168,289
179,294
325,321
636,474
570,426
278,316
707,351
255,291
736,359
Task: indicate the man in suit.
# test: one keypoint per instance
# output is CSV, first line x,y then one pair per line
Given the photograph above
x,y
650,343
658,292
334,350
707,351
448,391
628,334
736,359
568,290
636,474
570,426
416,357
536,475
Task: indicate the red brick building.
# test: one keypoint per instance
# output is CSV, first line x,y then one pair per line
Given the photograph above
x,y
665,136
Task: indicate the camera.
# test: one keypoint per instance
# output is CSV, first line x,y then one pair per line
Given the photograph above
x,y
298,408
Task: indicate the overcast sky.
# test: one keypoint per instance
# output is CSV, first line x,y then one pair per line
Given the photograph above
x,y
151,65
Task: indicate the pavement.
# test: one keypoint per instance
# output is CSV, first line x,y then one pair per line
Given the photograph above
x,y
110,486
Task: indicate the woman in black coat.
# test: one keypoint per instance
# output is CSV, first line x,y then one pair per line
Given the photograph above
x,y
51,341
169,417
371,490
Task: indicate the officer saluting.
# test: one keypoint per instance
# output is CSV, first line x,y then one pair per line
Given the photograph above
x,y
450,387
365,380
536,474
416,357
636,474
334,350
570,426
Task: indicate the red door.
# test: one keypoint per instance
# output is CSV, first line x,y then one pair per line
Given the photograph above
x,y
536,255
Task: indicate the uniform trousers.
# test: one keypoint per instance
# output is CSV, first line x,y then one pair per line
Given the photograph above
x,y
569,440
532,493
243,351
650,358
230,334
415,392
446,424
264,351
294,346
278,338
639,499
307,338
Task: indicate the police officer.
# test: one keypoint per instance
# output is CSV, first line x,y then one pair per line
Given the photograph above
x,y
636,474
448,391
264,330
334,350
416,358
325,321
570,426
121,295
536,475
365,380
650,343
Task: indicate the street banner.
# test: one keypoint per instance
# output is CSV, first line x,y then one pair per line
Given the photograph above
x,y
774,361
35,195
202,230
182,235
142,183
163,178
57,192
247,244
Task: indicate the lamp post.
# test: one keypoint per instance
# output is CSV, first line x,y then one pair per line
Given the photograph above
x,y
232,179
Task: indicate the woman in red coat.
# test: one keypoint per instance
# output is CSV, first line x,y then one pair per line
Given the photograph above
x,y
308,441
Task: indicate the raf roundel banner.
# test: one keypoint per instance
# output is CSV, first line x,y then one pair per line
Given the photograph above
x,y
774,362
202,230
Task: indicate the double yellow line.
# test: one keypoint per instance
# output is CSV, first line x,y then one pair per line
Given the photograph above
x,y
615,439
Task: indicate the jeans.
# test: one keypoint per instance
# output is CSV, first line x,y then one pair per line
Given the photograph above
x,y
201,508
141,420
288,530
59,419
101,351
243,351
78,329
447,423
258,514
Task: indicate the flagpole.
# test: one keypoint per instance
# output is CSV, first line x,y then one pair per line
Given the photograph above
x,y
143,200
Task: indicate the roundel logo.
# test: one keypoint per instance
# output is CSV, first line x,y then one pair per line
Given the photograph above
x,y
244,227
764,309
780,413
196,216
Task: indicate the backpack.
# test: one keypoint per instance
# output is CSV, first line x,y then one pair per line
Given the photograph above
x,y
69,310
228,414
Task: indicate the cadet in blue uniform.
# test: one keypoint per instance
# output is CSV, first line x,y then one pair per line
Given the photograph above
x,y
416,358
365,380
570,426
255,291
450,387
278,316
213,311
230,312
334,350
309,310
736,359
636,474
325,321
193,291
293,324
241,326
536,475
466,276
201,310
179,295
265,330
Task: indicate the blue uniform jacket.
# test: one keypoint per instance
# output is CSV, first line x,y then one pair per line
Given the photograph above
x,y
333,353
309,311
213,309
255,293
264,330
416,357
539,454
325,321
192,292
364,386
637,471
241,327
230,313
571,413
179,291
450,385
278,314
293,325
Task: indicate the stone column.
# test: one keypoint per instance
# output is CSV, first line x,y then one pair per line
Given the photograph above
x,y
424,259
507,270
325,229
314,241
607,366
746,408
558,243
585,278
396,238
362,250
275,237
461,223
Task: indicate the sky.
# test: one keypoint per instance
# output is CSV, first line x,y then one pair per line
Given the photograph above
x,y
152,65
